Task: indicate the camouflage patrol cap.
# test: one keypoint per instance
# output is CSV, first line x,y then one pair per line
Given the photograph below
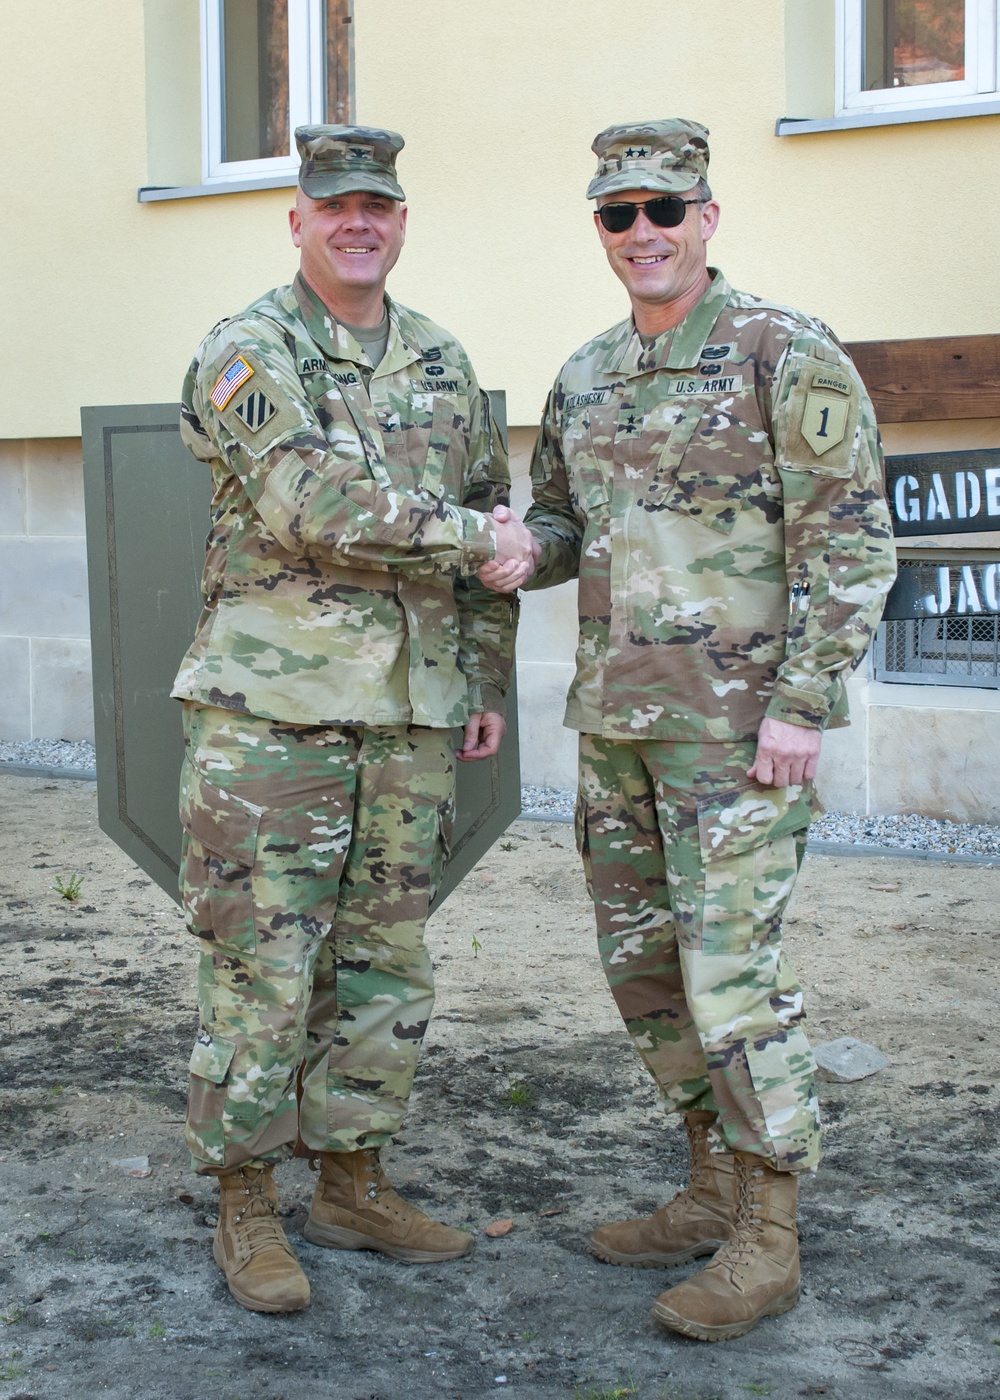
x,y
342,159
669,155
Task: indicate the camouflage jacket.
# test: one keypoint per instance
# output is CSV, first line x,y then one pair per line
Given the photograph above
x,y
720,496
347,519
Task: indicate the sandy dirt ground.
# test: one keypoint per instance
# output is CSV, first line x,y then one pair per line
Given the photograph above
x,y
530,1105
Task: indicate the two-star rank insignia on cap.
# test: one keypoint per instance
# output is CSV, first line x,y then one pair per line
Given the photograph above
x,y
238,373
255,410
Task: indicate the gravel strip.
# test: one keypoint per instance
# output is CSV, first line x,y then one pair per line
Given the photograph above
x,y
834,832
48,753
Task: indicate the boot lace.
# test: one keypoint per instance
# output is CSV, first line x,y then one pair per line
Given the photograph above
x,y
378,1187
700,1174
736,1253
261,1227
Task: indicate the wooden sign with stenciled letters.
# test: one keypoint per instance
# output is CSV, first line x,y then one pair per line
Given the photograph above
x,y
952,588
936,379
945,493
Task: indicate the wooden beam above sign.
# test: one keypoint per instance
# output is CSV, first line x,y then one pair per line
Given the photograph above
x,y
921,381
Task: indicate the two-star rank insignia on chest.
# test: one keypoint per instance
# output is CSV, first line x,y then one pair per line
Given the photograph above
x,y
255,410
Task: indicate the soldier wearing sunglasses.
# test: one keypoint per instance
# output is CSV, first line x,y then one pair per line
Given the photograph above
x,y
710,471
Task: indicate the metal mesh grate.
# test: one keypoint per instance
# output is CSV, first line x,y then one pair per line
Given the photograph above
x,y
949,646
962,649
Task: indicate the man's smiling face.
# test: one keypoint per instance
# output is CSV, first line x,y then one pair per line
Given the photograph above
x,y
660,266
348,242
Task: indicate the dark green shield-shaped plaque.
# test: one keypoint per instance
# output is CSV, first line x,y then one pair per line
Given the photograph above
x,y
147,505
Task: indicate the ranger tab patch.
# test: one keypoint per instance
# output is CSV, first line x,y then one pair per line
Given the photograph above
x,y
255,410
238,373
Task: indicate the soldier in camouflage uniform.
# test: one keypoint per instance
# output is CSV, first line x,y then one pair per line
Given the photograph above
x,y
710,470
355,466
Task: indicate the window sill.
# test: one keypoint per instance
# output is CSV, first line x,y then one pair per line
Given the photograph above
x,y
149,194
803,126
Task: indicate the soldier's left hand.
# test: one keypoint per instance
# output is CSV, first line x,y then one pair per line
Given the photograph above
x,y
787,754
503,578
482,736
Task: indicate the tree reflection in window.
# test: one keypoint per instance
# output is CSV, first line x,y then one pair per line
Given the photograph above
x,y
909,43
255,79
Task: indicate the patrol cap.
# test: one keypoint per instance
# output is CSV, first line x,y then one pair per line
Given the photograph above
x,y
669,155
342,159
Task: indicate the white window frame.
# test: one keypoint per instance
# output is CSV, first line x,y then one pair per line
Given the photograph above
x,y
306,84
982,48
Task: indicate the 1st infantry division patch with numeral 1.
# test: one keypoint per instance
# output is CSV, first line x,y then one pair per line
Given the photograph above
x,y
255,410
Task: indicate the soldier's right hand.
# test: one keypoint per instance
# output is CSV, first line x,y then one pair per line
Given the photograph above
x,y
516,553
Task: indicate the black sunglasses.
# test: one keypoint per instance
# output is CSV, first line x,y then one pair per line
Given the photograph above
x,y
666,212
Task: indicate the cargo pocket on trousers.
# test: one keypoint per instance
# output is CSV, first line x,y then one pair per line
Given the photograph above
x,y
442,847
583,839
782,1070
207,1091
220,850
211,1058
749,854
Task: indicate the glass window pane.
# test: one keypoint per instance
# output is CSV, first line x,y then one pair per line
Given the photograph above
x,y
255,79
912,42
338,61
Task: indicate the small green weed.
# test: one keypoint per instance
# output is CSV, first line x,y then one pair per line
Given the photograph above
x,y
671,1392
476,946
69,889
157,1330
758,1389
518,1095
621,1391
9,1371
530,1336
508,846
12,1315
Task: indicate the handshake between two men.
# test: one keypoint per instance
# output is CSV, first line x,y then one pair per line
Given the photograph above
x,y
517,553
786,753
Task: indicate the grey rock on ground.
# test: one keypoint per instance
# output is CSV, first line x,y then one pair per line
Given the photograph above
x,y
843,1060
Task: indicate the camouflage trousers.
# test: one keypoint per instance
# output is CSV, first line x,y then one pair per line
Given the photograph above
x,y
310,858
690,866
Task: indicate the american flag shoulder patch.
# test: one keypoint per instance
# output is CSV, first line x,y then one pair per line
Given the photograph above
x,y
238,373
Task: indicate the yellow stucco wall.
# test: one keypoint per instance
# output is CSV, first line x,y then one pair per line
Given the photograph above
x,y
499,102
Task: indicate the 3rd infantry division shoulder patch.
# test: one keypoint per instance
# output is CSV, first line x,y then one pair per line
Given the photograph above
x,y
255,410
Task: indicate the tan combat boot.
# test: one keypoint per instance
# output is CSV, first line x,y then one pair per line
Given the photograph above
x,y
250,1246
755,1275
695,1223
355,1207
